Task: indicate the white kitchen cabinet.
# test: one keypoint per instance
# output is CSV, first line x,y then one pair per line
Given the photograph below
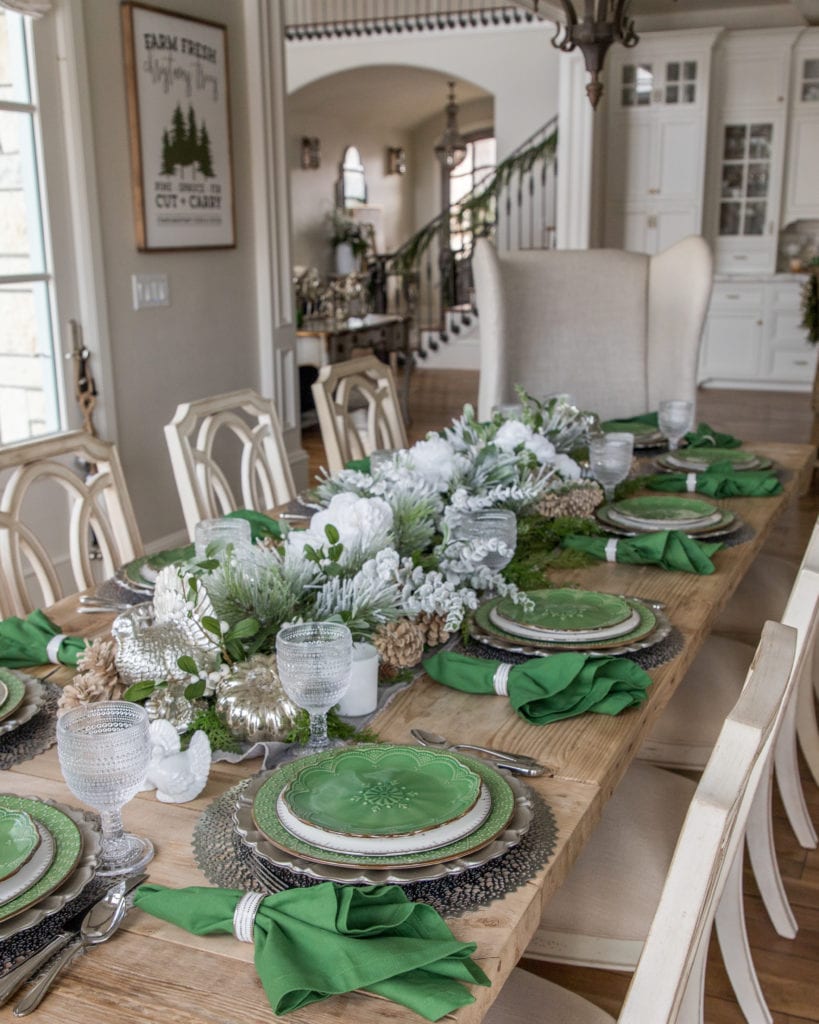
x,y
753,335
656,131
747,148
802,183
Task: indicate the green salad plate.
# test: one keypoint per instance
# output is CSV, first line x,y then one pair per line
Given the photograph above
x,y
141,573
667,510
19,839
381,791
565,613
266,820
69,844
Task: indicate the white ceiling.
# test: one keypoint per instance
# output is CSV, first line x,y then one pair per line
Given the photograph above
x,y
391,95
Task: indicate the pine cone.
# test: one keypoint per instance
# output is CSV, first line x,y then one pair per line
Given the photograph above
x,y
400,643
88,688
433,626
580,501
97,678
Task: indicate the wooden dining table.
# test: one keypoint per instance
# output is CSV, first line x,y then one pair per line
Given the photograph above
x,y
155,973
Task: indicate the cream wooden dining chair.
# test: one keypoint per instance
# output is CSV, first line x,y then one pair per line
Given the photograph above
x,y
64,511
685,733
210,438
358,410
670,852
618,330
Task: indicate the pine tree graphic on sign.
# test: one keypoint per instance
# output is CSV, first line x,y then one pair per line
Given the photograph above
x,y
186,145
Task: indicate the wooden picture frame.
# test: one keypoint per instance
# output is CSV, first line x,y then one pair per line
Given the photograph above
x,y
179,116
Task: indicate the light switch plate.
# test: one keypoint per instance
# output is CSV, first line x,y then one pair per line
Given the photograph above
x,y
150,290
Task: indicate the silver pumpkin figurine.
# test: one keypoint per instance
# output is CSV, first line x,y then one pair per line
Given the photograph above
x,y
251,702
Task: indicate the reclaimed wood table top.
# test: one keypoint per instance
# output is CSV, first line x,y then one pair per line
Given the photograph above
x,y
153,972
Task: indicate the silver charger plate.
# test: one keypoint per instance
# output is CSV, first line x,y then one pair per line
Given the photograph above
x,y
32,702
264,851
659,633
720,530
73,884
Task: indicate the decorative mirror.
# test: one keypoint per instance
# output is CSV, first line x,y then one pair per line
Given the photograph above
x,y
352,187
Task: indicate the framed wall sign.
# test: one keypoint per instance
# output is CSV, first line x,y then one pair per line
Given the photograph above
x,y
177,81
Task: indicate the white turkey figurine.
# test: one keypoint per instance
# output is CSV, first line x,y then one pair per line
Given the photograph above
x,y
177,775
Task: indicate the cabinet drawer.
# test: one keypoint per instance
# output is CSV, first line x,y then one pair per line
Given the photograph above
x,y
735,296
793,364
743,262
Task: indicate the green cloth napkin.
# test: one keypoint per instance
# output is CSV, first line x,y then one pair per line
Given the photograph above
x,y
24,642
360,465
668,549
720,481
328,939
261,526
544,690
703,437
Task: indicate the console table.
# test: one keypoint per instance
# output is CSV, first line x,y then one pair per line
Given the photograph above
x,y
319,342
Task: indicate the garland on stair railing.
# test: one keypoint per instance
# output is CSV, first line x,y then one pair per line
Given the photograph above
x,y
479,205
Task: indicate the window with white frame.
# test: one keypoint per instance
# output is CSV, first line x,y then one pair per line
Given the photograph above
x,y
31,401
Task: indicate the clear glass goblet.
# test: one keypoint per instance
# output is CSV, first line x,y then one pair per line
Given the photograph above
x,y
104,750
610,458
499,527
675,418
315,660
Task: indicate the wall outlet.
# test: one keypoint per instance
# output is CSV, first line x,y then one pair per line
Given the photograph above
x,y
150,290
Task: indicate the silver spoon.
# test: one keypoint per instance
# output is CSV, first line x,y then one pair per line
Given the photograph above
x,y
520,762
99,925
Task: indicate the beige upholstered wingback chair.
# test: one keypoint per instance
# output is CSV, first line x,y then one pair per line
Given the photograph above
x,y
618,330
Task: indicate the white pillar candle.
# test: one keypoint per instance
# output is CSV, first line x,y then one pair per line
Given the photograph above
x,y
362,696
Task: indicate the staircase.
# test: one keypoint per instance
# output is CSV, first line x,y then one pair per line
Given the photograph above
x,y
429,278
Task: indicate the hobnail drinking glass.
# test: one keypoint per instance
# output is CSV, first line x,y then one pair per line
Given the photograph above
x,y
491,524
104,750
314,661
212,536
675,418
610,458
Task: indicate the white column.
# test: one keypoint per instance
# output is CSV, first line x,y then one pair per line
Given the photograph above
x,y
266,92
574,156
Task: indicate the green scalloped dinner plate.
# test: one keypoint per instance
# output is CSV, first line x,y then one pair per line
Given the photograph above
x,y
267,821
69,848
667,508
566,610
19,839
382,791
15,692
648,621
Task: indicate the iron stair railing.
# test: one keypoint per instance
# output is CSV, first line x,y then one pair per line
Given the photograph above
x,y
429,278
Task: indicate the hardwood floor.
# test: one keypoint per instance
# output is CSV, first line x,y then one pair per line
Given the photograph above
x,y
788,970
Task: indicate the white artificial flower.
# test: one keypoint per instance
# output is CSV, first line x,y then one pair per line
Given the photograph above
x,y
542,449
567,467
511,435
435,460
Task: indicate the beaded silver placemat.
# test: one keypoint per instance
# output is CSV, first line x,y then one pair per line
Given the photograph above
x,y
34,736
227,861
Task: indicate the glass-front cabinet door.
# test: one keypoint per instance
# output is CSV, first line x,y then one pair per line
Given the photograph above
x,y
745,178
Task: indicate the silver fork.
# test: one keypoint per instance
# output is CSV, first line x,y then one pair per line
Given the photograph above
x,y
268,879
